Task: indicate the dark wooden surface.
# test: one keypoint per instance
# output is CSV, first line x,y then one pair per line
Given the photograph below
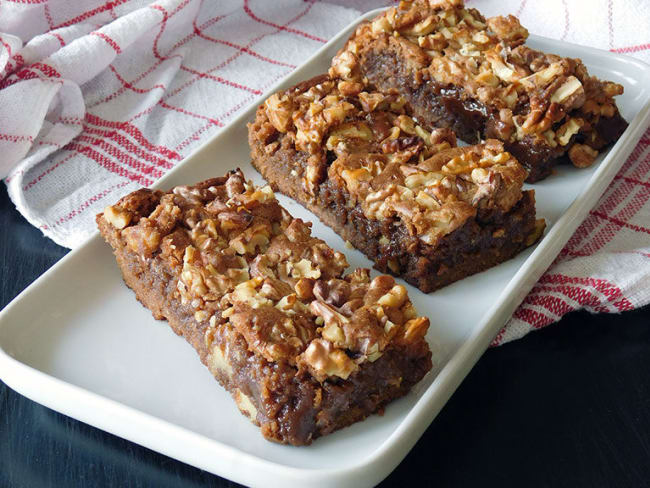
x,y
568,406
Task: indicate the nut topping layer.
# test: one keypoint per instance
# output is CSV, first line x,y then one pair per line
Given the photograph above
x,y
241,262
544,96
326,117
390,166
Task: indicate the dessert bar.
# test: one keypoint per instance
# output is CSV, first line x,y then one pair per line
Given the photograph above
x,y
477,76
415,204
303,348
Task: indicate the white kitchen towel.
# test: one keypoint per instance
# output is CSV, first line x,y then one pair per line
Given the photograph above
x,y
98,98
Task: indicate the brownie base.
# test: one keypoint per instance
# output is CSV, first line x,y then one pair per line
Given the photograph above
x,y
476,246
289,405
434,105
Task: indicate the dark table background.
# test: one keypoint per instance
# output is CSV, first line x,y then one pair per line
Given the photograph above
x,y
568,406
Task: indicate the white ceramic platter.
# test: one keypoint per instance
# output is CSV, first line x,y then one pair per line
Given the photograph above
x,y
78,342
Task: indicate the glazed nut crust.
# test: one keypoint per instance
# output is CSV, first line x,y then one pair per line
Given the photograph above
x,y
545,98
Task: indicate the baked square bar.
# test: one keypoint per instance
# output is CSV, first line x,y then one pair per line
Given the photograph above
x,y
303,349
419,207
476,76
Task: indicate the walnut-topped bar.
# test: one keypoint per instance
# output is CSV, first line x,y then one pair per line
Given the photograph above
x,y
475,75
303,348
414,203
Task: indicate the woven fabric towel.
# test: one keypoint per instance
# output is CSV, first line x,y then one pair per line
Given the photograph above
x,y
98,98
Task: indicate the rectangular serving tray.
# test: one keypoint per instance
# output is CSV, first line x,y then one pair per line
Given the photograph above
x,y
78,342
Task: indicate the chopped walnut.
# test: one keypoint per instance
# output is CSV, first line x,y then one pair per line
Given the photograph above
x,y
568,130
279,110
323,360
508,29
414,330
305,269
570,94
582,156
395,297
117,216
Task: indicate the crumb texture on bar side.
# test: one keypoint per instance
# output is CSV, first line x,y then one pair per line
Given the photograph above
x,y
477,76
411,200
303,348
